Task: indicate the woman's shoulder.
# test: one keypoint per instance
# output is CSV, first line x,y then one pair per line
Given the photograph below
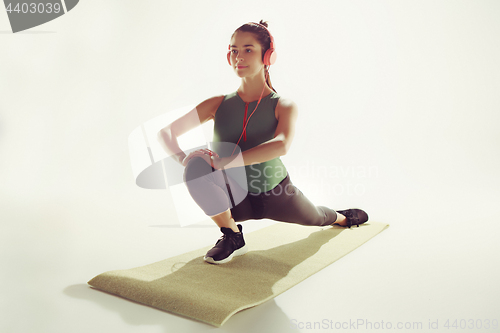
x,y
214,99
207,108
285,105
218,99
285,102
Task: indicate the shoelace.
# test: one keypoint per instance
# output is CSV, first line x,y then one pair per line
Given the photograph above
x,y
229,237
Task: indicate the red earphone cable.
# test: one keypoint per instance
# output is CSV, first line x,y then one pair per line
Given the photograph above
x,y
246,124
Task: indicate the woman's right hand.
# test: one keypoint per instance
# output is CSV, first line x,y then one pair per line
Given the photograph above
x,y
206,154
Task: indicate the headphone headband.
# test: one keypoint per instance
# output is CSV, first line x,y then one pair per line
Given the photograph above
x,y
268,32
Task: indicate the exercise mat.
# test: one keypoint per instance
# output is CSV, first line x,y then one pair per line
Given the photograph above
x,y
279,257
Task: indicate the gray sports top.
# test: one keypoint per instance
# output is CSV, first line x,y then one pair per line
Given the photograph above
x,y
228,126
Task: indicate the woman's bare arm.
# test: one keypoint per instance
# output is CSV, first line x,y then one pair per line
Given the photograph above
x,y
202,113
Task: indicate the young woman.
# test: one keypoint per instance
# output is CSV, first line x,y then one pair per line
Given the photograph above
x,y
261,125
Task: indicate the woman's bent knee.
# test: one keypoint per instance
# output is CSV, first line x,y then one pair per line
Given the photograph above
x,y
197,167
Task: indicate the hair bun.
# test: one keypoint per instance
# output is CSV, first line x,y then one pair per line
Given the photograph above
x,y
264,23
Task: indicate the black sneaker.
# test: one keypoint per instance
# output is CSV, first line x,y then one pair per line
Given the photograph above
x,y
231,244
354,216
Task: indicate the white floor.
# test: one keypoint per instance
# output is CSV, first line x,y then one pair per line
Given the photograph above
x,y
399,101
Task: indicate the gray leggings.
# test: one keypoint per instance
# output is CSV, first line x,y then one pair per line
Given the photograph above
x,y
216,192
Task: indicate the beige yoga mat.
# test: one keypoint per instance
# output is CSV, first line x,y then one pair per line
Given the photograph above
x,y
280,256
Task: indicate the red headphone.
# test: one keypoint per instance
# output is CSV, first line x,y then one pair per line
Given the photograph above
x,y
269,56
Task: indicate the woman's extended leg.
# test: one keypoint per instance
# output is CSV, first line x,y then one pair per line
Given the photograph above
x,y
287,203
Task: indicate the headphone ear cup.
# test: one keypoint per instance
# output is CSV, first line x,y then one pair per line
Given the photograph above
x,y
270,57
229,58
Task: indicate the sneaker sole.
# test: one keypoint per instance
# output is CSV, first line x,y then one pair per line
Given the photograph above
x,y
241,251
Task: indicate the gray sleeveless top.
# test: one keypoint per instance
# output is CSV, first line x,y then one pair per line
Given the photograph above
x,y
228,126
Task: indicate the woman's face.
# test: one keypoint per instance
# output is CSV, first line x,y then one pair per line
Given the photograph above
x,y
246,54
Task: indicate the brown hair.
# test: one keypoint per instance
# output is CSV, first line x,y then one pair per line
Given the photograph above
x,y
264,39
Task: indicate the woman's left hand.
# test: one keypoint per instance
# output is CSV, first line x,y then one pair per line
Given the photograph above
x,y
212,158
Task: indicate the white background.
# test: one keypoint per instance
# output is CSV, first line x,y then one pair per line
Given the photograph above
x,y
405,89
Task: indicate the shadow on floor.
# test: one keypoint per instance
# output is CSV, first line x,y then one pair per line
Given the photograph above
x,y
189,287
